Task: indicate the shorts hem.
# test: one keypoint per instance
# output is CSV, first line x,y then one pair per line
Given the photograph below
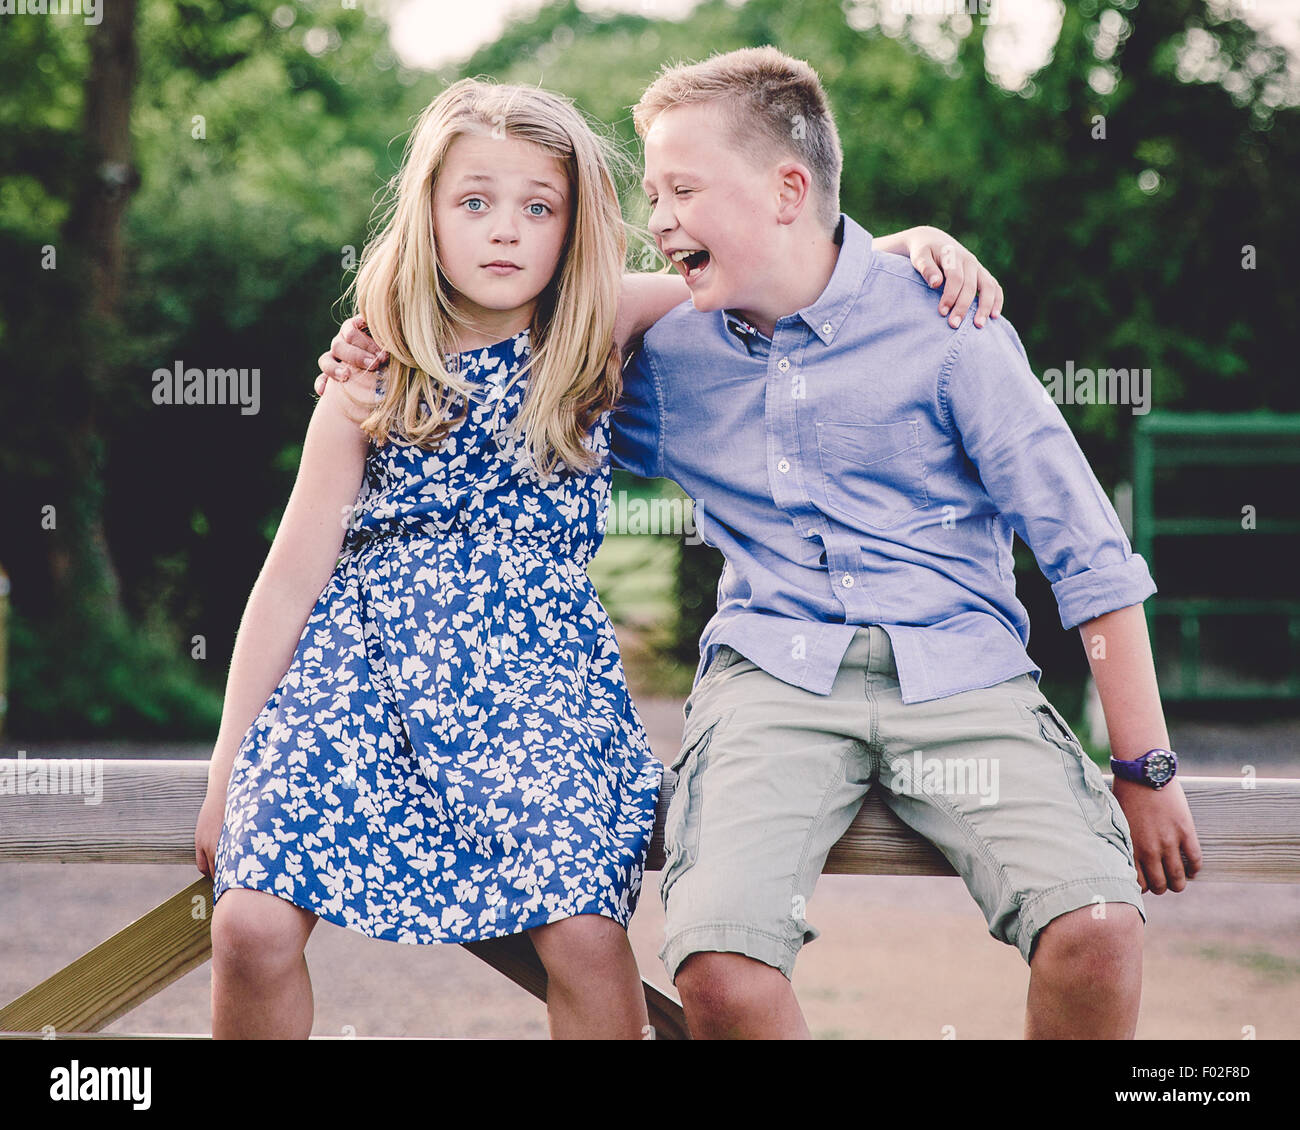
x,y
730,937
1052,903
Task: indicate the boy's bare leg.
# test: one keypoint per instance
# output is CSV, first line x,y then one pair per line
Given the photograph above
x,y
728,996
1085,979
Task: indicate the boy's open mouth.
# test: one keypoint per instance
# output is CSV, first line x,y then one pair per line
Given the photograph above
x,y
691,262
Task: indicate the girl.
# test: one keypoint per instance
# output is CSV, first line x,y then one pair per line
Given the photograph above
x,y
428,738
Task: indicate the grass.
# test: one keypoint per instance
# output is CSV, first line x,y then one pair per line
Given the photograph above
x,y
1272,966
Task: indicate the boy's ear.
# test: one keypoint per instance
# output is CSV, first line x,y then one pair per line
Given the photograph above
x,y
794,190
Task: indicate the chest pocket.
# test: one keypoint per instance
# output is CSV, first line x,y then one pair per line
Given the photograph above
x,y
872,473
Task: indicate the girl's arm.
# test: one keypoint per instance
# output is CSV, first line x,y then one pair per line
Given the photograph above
x,y
940,258
1119,652
298,566
645,298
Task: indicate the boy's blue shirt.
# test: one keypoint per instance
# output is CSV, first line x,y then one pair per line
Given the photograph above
x,y
868,465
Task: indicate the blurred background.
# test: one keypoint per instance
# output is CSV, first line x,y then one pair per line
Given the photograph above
x,y
191,182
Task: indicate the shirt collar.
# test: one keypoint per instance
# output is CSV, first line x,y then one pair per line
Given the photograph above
x,y
825,316
738,326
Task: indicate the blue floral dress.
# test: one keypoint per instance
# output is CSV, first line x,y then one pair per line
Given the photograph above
x,y
453,753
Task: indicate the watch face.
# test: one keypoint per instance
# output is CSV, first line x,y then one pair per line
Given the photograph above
x,y
1159,768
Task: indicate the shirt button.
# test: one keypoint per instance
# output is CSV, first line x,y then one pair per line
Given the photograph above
x,y
783,466
826,327
783,364
847,581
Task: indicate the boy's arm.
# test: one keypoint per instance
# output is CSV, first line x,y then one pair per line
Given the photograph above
x,y
636,424
1119,653
352,352
1035,473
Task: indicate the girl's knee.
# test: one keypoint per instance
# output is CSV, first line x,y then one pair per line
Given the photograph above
x,y
580,945
256,931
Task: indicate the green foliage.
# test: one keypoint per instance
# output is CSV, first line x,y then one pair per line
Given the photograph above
x,y
110,678
237,253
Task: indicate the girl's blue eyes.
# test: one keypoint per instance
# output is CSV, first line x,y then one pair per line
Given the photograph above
x,y
546,208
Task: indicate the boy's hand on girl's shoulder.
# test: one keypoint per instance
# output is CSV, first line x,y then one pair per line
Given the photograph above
x,y
351,353
939,258
1166,851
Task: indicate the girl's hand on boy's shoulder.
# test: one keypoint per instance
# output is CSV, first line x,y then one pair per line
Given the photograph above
x,y
1166,851
351,353
941,259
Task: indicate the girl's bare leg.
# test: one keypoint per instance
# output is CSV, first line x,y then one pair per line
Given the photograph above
x,y
260,986
593,989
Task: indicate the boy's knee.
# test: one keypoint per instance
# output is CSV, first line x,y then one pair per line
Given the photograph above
x,y
725,984
1089,944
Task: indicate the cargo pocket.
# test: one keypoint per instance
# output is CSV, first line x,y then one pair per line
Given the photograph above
x,y
682,820
723,657
1099,807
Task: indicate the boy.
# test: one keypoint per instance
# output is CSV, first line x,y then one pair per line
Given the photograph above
x,y
862,468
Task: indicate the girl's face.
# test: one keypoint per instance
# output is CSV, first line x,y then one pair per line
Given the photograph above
x,y
501,210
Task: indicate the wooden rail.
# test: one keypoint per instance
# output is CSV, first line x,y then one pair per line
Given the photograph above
x,y
148,810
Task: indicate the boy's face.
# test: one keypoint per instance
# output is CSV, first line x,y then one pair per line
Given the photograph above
x,y
499,201
707,198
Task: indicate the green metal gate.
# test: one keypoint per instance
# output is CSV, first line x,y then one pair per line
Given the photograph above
x,y
1216,511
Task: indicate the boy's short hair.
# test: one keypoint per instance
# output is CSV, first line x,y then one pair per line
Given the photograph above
x,y
772,102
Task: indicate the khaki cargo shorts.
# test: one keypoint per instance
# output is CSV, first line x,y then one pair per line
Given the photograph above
x,y
770,775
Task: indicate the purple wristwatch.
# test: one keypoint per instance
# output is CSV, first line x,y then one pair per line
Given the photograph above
x,y
1156,768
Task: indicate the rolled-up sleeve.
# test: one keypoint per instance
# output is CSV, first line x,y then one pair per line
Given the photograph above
x,y
1037,476
636,423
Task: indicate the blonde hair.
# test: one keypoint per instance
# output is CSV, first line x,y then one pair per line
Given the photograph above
x,y
407,304
769,98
